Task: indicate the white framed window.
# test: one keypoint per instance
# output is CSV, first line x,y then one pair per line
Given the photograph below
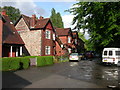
x,y
53,36
69,40
47,34
47,50
69,50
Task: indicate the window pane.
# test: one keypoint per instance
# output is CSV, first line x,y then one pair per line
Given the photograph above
x,y
47,50
47,34
105,52
117,53
110,53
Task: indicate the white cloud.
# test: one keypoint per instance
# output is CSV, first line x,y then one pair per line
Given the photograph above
x,y
27,8
67,19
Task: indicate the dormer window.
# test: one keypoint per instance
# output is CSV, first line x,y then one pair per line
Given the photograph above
x,y
47,34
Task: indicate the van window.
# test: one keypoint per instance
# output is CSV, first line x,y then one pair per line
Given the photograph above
x,y
105,52
110,53
117,53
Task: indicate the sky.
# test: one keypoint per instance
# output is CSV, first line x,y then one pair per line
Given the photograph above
x,y
41,8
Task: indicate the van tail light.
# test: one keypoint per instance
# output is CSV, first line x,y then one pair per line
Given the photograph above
x,y
113,59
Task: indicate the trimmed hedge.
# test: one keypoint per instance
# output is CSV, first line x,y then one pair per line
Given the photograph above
x,y
13,63
44,60
25,62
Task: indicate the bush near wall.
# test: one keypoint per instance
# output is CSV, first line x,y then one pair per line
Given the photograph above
x,y
44,60
13,63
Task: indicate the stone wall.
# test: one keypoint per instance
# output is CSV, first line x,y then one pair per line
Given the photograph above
x,y
21,26
32,40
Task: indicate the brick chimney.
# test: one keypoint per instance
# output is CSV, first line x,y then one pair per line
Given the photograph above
x,y
1,27
33,21
3,12
41,17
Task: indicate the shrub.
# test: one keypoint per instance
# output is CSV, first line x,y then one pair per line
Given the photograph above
x,y
41,61
49,60
10,63
44,60
25,62
13,63
5,64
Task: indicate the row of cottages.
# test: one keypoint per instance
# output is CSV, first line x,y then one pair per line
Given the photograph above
x,y
70,41
36,37
11,43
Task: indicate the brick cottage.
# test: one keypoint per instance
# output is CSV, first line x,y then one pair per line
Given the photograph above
x,y
37,34
10,42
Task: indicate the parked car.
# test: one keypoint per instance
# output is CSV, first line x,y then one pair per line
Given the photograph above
x,y
82,56
118,64
74,57
89,54
111,55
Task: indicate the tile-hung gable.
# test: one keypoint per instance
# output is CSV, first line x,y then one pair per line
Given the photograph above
x,y
37,34
11,41
65,35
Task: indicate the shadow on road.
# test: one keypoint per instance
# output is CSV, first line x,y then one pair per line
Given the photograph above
x,y
11,80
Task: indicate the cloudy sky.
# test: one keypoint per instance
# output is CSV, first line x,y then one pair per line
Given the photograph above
x,y
41,8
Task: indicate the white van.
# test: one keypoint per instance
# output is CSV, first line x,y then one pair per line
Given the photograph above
x,y
111,55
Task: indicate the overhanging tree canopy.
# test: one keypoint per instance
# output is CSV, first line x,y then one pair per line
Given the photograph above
x,y
102,20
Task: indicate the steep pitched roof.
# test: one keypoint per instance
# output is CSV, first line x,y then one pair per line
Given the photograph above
x,y
10,35
42,23
63,31
39,23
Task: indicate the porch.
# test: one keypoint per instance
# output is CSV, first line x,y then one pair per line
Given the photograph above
x,y
12,50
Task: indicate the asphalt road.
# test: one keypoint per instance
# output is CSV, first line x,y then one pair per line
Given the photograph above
x,y
82,74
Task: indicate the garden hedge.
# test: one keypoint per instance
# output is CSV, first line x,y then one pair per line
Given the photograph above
x,y
13,63
44,60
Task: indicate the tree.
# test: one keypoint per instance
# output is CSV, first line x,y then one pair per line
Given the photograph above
x,y
56,19
12,12
101,20
59,19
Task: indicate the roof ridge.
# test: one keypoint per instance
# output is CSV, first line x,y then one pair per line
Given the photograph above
x,y
25,15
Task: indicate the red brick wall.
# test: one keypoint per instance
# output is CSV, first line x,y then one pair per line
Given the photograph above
x,y
48,42
59,50
1,27
49,26
64,39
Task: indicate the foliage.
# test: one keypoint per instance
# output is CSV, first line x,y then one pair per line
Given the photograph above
x,y
81,35
25,62
56,19
101,19
12,12
13,63
44,60
41,61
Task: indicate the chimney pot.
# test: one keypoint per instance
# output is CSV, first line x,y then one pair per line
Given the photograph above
x,y
33,21
3,12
